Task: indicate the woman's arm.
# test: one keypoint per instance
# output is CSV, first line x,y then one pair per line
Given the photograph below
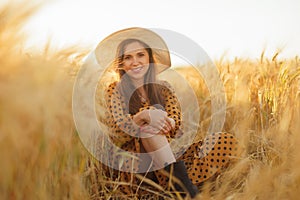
x,y
123,127
172,115
172,106
141,117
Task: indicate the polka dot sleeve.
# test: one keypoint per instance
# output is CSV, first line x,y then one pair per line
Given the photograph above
x,y
172,105
121,124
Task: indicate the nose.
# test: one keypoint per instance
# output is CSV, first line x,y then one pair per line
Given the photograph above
x,y
135,61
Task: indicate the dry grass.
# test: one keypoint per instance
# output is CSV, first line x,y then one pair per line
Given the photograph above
x,y
42,157
40,152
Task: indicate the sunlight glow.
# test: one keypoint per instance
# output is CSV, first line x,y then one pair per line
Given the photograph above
x,y
232,28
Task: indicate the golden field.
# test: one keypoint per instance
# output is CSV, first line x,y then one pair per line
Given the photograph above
x,y
43,158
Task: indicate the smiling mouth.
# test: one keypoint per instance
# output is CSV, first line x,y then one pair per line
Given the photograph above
x,y
137,69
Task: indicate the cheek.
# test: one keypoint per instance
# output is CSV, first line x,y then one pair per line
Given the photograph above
x,y
126,65
147,68
146,59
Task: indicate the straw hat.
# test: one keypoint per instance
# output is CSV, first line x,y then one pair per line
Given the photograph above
x,y
106,50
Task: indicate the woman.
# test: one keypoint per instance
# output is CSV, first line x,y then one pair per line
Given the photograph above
x,y
144,115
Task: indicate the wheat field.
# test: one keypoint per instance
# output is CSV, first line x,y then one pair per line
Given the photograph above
x,y
43,158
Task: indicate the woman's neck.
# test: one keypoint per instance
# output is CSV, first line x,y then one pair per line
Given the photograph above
x,y
138,83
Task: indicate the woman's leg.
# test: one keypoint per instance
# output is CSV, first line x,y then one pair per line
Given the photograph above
x,y
159,149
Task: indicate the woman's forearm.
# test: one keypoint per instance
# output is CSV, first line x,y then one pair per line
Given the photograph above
x,y
141,117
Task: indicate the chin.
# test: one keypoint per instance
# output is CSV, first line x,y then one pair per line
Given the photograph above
x,y
137,76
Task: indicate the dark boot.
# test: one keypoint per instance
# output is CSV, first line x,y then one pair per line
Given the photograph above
x,y
180,172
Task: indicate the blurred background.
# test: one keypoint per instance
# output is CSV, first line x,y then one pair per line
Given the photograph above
x,y
254,45
230,28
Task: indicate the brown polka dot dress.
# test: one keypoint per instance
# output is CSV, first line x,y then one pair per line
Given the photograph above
x,y
203,159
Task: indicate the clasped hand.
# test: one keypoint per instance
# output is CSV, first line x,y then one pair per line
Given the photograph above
x,y
158,122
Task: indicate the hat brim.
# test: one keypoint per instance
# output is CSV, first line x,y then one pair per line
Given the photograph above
x,y
105,52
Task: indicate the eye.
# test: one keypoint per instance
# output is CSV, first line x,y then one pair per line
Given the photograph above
x,y
126,57
141,54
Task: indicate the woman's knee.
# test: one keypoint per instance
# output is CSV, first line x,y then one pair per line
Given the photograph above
x,y
155,142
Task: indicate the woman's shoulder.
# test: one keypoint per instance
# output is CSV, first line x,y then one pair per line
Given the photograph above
x,y
163,83
111,87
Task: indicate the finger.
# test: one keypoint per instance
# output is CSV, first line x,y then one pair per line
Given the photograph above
x,y
158,131
159,126
165,128
168,125
162,121
172,122
168,119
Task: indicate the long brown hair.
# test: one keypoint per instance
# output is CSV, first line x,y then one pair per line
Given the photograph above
x,y
126,87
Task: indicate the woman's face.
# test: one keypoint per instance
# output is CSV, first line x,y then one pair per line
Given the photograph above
x,y
135,61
